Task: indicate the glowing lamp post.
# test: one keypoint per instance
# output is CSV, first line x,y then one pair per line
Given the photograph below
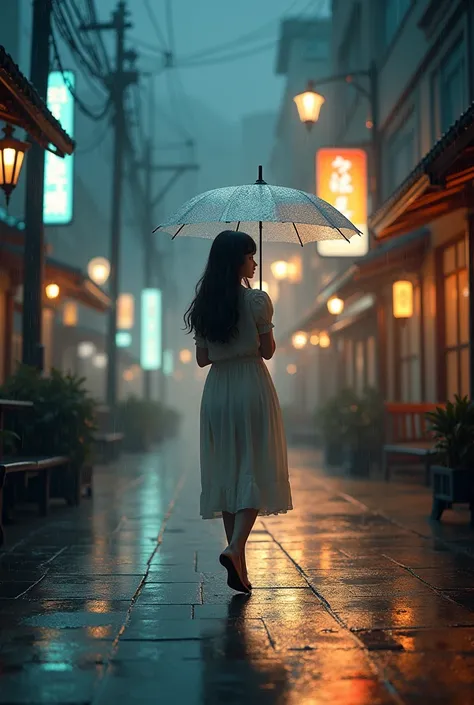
x,y
324,340
299,340
309,105
402,294
52,291
335,305
12,154
98,270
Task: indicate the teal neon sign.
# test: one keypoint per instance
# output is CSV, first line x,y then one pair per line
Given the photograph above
x,y
59,172
151,329
123,339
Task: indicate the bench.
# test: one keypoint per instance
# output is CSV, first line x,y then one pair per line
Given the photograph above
x,y
407,434
13,467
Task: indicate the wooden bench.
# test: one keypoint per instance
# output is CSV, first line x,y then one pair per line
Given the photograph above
x,y
41,467
407,434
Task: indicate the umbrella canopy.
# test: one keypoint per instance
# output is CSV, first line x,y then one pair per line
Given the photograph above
x,y
286,214
274,213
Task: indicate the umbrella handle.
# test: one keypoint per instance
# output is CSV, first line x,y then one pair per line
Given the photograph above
x,y
260,237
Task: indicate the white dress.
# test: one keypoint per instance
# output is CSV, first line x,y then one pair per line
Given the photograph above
x,y
244,460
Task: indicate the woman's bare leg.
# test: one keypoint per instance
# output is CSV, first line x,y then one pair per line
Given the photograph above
x,y
229,521
243,524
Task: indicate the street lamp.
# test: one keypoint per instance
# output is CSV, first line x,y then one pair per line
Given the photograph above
x,y
309,105
12,154
98,270
324,340
52,290
299,340
335,305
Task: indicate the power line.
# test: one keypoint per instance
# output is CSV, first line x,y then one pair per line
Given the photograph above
x,y
156,26
76,45
248,37
80,104
232,57
169,26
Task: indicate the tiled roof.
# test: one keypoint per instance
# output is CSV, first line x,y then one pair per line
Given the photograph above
x,y
425,166
44,120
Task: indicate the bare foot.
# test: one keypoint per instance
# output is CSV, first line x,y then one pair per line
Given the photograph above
x,y
232,562
245,576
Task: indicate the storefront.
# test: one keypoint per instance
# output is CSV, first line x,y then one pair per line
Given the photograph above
x,y
22,107
438,195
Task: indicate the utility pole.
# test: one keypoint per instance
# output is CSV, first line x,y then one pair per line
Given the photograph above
x,y
118,82
32,353
151,200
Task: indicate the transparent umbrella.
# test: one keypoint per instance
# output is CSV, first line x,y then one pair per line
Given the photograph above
x,y
274,213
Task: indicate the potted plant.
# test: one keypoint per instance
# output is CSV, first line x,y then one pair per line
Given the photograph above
x,y
362,431
328,425
453,431
144,423
61,421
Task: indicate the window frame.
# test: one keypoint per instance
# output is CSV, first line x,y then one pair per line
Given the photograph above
x,y
459,44
443,348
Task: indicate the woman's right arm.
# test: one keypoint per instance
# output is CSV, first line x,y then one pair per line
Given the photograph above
x,y
267,345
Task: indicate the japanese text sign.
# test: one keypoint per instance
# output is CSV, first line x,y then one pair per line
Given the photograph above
x,y
59,172
341,180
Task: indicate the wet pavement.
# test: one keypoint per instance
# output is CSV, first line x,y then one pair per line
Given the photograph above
x,y
358,599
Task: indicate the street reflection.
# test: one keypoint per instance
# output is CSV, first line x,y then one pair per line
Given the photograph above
x,y
236,667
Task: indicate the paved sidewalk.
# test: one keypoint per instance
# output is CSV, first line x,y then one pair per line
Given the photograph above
x,y
123,599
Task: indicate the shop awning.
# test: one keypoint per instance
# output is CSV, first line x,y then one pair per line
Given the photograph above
x,y
21,105
440,183
360,281
73,283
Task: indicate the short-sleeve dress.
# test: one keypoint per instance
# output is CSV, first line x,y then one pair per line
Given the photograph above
x,y
243,446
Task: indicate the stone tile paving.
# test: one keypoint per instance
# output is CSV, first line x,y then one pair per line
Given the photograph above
x,y
358,599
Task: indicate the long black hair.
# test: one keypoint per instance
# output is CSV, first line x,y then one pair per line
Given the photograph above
x,y
214,312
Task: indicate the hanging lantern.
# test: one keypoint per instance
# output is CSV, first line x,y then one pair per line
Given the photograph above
x,y
309,105
324,340
70,313
291,369
125,311
12,154
314,339
299,340
335,305
402,295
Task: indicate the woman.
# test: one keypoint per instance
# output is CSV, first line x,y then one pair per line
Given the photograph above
x,y
244,467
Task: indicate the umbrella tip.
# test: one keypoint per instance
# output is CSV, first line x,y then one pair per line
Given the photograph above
x,y
260,175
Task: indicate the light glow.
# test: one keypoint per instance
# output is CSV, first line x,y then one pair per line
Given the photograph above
x,y
299,340
402,294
